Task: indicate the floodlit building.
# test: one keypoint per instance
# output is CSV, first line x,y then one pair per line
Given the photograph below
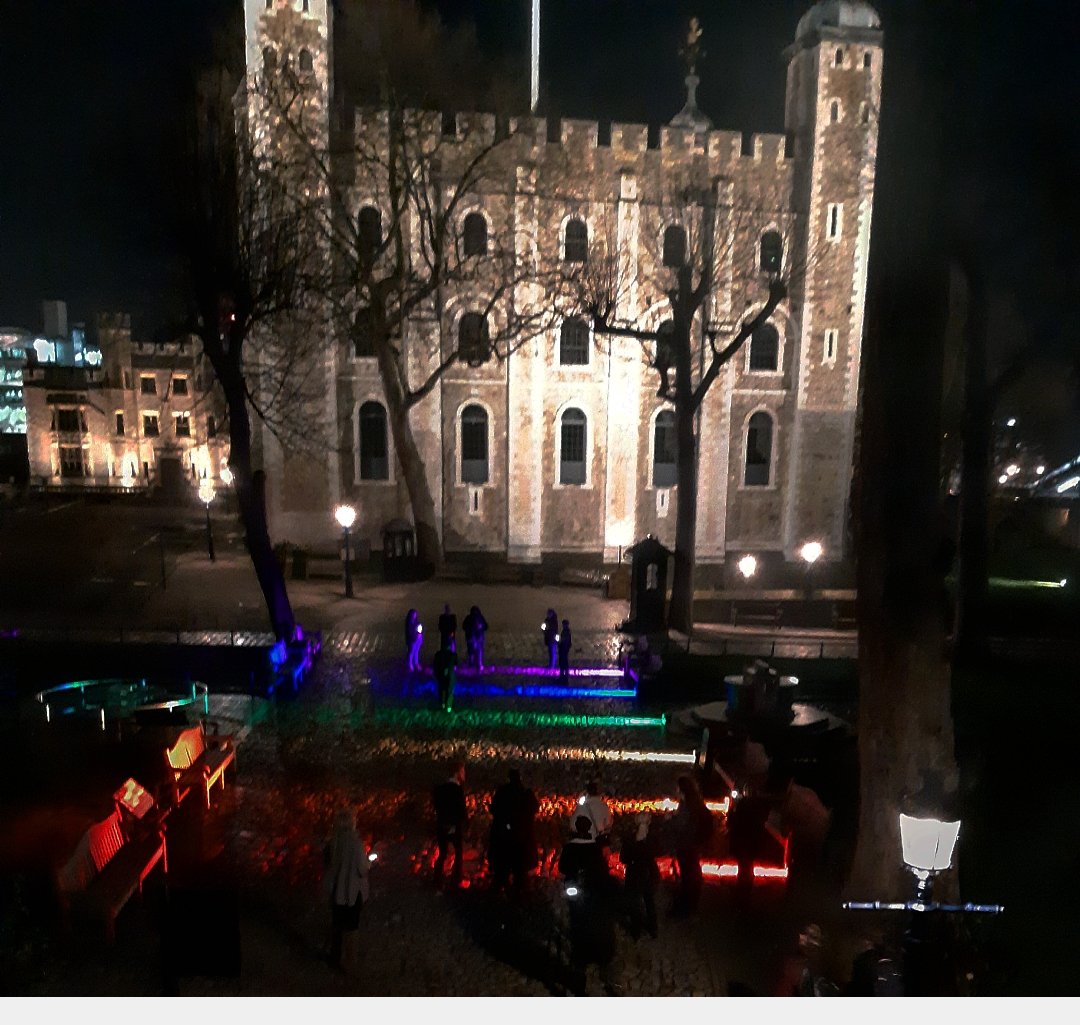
x,y
126,416
562,449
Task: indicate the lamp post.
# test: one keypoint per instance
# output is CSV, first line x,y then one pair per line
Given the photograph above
x,y
810,553
206,493
346,517
927,844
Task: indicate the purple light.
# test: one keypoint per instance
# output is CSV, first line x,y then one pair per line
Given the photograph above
x,y
532,691
604,671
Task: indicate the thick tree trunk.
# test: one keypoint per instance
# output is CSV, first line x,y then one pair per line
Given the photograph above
x,y
681,611
252,502
975,470
425,518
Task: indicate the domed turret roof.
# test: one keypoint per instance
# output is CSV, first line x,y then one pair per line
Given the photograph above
x,y
838,14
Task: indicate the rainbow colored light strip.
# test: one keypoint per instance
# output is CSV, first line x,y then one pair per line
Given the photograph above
x,y
493,717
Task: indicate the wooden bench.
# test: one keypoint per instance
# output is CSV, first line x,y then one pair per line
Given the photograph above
x,y
107,868
757,612
192,760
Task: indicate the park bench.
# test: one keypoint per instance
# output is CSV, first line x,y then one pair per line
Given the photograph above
x,y
760,613
191,760
109,865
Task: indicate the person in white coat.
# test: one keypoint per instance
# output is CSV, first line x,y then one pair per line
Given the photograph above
x,y
345,886
595,809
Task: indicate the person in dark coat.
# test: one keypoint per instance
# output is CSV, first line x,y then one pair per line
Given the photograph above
x,y
639,853
414,637
549,630
565,640
475,628
692,826
444,666
746,830
591,897
448,799
512,852
448,629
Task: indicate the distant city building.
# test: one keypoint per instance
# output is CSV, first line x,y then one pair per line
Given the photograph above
x,y
120,414
563,447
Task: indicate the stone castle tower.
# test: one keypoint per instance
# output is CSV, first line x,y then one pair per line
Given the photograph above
x,y
560,450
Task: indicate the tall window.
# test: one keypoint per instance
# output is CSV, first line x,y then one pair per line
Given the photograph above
x,y
772,252
150,425
369,235
180,386
834,111
364,333
663,472
71,461
674,246
574,342
147,385
119,422
67,420
182,424
211,427
759,432
474,343
306,61
268,58
830,345
475,235
572,447
374,463
833,221
764,348
838,59
576,243
866,61
474,445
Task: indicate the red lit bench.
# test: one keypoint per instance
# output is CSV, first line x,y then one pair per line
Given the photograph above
x,y
106,869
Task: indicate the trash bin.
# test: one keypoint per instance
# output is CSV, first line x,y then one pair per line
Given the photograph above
x,y
299,564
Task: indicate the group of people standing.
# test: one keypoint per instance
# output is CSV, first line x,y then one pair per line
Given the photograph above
x,y
557,640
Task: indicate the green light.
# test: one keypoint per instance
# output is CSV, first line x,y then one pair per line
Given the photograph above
x,y
487,718
1026,584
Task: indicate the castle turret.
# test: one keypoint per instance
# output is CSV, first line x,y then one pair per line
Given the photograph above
x,y
833,98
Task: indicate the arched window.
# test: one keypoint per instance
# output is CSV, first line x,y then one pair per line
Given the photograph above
x,y
306,61
674,246
374,463
572,447
475,235
307,6
474,445
369,235
576,244
772,252
759,432
764,348
474,343
574,343
663,464
364,333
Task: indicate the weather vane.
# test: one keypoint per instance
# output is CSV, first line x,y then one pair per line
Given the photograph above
x,y
692,52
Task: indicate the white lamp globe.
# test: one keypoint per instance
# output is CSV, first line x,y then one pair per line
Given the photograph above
x,y
811,552
345,515
928,843
226,475
206,490
747,566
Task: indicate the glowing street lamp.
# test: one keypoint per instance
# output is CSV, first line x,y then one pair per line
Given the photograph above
x,y
928,845
206,494
346,517
747,566
810,553
226,476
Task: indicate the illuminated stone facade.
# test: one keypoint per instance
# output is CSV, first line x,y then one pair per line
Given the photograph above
x,y
777,427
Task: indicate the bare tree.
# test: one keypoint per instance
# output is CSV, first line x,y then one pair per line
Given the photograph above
x,y
249,260
689,349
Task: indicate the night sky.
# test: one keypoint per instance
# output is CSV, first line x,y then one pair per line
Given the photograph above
x,y
90,106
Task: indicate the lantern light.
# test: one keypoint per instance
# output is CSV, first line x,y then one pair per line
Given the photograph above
x,y
811,552
747,566
928,844
345,515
